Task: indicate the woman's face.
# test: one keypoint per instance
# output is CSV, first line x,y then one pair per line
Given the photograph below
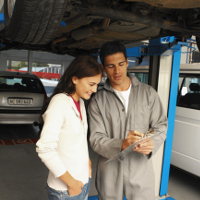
x,y
85,86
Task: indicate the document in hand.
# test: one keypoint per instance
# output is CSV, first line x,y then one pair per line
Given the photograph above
x,y
122,155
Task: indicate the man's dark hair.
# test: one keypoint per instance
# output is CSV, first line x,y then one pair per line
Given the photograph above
x,y
110,48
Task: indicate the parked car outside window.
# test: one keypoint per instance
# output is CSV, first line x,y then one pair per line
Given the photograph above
x,y
22,96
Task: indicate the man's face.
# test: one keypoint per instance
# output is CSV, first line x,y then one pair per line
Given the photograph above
x,y
115,66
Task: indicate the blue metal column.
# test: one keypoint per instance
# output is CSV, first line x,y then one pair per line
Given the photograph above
x,y
2,22
1,18
171,121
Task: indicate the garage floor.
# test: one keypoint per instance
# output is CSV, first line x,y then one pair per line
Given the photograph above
x,y
23,176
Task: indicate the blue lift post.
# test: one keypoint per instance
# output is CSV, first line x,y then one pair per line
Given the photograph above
x,y
171,121
163,46
1,18
2,22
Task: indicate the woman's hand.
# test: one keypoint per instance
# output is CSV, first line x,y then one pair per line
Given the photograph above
x,y
75,188
90,169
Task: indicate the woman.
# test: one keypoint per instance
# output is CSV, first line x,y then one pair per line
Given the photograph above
x,y
63,142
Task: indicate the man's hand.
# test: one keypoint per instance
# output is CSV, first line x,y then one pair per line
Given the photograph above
x,y
133,136
75,188
144,147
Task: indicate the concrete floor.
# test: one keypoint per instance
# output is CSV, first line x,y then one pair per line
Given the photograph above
x,y
23,176
183,186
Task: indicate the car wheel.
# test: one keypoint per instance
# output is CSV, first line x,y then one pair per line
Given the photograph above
x,y
198,42
32,21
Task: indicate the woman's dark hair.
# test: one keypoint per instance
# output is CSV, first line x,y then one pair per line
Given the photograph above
x,y
82,66
110,48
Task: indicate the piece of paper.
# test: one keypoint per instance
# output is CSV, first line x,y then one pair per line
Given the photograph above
x,y
122,154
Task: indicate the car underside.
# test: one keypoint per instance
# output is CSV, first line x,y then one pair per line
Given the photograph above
x,y
81,26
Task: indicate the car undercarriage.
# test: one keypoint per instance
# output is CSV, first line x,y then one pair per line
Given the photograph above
x,y
81,26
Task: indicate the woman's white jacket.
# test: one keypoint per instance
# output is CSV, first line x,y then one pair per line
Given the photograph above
x,y
63,142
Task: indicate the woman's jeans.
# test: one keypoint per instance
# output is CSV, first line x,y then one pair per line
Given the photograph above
x,y
64,195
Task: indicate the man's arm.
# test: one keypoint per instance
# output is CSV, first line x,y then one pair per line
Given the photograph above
x,y
99,139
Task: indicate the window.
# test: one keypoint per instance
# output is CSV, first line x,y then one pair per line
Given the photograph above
x,y
189,91
142,77
49,74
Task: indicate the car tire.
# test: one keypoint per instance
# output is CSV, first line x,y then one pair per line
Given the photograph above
x,y
32,21
198,42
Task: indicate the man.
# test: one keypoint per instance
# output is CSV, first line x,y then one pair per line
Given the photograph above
x,y
119,115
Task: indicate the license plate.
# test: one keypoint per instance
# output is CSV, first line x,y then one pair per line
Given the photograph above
x,y
20,101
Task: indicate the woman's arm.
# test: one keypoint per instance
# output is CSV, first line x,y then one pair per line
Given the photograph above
x,y
47,145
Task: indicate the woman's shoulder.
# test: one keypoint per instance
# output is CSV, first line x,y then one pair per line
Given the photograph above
x,y
60,99
61,96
